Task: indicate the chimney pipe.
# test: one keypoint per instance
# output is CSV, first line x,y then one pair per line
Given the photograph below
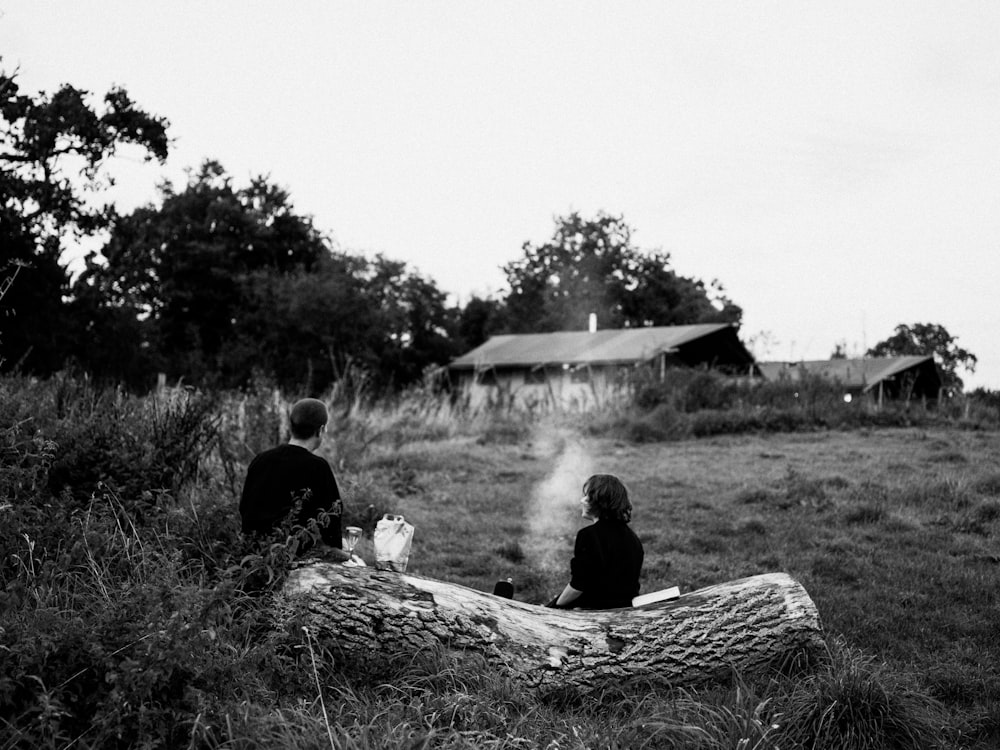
x,y
593,323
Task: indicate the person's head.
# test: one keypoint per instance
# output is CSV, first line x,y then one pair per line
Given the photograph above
x,y
607,498
307,418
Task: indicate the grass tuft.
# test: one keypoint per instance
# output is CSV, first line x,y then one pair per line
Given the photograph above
x,y
866,513
855,703
511,551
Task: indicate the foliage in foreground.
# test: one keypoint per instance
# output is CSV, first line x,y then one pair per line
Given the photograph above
x,y
135,616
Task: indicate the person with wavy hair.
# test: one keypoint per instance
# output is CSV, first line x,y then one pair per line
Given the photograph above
x,y
607,555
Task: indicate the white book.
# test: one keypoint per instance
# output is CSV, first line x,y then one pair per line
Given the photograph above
x,y
657,596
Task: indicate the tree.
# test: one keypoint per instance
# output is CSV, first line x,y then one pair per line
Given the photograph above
x,y
591,266
417,321
183,267
306,329
479,319
347,316
223,282
35,327
929,338
54,153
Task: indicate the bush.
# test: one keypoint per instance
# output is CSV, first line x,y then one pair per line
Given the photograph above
x,y
704,403
125,618
685,389
136,446
505,430
978,409
853,703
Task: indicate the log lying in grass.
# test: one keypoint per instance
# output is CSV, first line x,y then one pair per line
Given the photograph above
x,y
748,625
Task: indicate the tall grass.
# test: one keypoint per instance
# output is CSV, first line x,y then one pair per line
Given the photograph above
x,y
133,614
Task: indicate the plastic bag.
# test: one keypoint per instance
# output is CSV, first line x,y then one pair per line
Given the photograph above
x,y
392,540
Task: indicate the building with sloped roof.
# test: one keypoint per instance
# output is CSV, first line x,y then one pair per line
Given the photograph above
x,y
580,368
881,377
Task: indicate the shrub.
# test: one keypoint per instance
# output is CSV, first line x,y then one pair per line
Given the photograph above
x,y
511,551
978,409
685,389
505,430
130,444
757,495
714,403
708,423
854,703
867,513
739,718
988,485
26,456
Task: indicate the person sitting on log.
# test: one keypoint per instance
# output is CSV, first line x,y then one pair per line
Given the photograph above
x,y
607,555
290,483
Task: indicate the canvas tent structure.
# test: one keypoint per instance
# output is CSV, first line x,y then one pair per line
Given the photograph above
x,y
580,368
881,377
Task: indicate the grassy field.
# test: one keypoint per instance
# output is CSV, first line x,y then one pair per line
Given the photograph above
x,y
893,532
132,613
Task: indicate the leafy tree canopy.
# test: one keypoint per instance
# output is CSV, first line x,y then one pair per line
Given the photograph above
x,y
182,267
929,338
56,147
592,266
54,155
478,319
180,262
224,281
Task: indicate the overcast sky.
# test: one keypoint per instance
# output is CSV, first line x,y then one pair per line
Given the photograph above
x,y
835,165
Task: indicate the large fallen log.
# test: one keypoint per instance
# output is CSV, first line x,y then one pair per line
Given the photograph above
x,y
747,626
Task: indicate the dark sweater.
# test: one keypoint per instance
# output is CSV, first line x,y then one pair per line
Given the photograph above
x,y
276,478
607,559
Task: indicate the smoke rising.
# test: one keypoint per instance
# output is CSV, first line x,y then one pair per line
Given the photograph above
x,y
554,511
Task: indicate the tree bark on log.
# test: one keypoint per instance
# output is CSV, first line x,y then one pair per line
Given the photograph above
x,y
747,626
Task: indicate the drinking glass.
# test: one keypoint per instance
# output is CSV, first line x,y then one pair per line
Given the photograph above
x,y
352,535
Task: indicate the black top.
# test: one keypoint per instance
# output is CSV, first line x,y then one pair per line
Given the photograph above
x,y
607,559
278,477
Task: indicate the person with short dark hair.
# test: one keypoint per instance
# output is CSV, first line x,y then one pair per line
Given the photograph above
x,y
292,476
607,555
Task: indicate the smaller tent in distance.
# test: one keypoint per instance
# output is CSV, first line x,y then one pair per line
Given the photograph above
x,y
882,377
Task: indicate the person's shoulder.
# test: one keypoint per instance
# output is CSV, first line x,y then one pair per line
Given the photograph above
x,y
283,454
313,458
635,540
627,527
266,455
608,523
315,462
296,455
615,527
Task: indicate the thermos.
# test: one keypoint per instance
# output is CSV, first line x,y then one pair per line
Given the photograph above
x,y
504,588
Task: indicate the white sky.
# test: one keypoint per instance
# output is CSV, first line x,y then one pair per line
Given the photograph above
x,y
835,165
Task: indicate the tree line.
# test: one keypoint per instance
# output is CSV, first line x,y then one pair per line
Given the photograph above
x,y
219,284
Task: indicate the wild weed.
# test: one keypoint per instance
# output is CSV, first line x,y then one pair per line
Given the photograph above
x,y
854,703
